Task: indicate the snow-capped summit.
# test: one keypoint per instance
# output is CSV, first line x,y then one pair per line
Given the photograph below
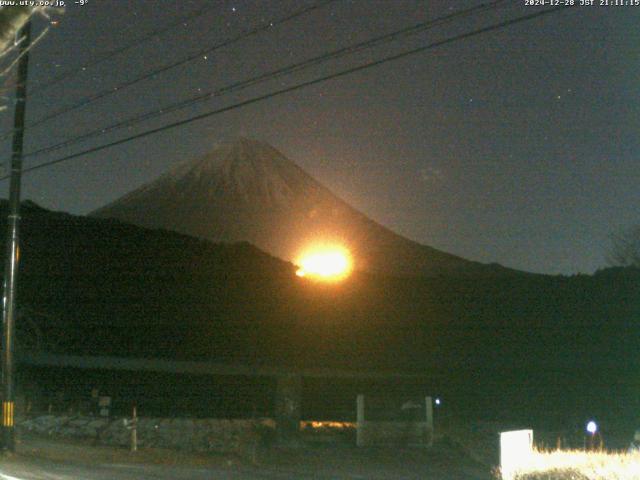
x,y
247,190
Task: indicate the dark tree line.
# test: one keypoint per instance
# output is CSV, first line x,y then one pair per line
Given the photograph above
x,y
625,248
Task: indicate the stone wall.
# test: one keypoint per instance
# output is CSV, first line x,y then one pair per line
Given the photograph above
x,y
195,435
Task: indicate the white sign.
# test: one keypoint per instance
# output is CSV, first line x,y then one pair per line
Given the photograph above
x,y
516,450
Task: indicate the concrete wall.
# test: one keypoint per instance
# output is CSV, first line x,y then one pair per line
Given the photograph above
x,y
374,433
196,435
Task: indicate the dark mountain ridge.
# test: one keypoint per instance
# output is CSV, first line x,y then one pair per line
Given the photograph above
x,y
248,191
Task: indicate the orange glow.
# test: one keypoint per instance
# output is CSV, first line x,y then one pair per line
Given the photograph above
x,y
317,425
325,263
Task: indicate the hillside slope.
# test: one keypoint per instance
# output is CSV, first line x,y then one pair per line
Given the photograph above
x,y
102,287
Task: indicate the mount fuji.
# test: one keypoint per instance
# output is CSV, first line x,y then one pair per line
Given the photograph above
x,y
246,190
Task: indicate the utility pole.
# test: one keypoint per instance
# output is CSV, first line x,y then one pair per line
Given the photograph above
x,y
12,255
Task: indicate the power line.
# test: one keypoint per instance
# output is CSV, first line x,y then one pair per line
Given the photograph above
x,y
299,86
118,51
296,67
153,73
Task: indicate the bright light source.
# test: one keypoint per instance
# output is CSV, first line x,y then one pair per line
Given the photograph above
x,y
325,263
438,402
592,427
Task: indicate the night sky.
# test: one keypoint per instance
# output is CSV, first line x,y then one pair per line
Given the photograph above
x,y
519,146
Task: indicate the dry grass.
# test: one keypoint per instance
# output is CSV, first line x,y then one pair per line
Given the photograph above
x,y
581,465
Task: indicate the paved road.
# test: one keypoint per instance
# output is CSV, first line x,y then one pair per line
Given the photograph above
x,y
36,469
46,459
48,470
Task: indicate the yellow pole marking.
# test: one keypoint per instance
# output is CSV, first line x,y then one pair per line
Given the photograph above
x,y
7,414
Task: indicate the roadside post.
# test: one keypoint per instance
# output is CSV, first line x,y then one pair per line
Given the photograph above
x,y
429,411
134,430
360,420
132,426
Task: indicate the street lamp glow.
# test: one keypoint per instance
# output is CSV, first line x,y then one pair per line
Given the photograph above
x,y
592,427
325,263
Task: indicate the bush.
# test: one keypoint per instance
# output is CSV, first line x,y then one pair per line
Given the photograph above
x,y
580,465
555,474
